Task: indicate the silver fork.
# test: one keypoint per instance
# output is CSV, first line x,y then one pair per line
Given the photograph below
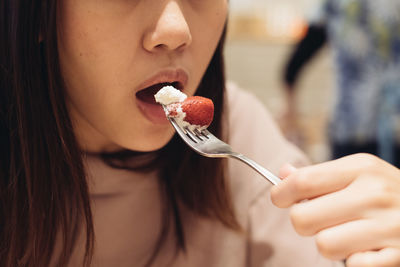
x,y
206,144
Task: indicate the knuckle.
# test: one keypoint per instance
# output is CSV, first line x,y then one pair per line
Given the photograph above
x,y
380,200
368,161
300,221
378,194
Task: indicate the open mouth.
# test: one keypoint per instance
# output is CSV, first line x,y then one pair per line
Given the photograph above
x,y
147,94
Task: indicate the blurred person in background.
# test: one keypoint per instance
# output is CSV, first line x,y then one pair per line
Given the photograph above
x,y
365,38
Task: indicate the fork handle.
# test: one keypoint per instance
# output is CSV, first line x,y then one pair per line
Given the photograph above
x,y
261,170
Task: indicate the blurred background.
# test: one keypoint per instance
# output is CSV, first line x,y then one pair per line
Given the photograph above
x,y
261,35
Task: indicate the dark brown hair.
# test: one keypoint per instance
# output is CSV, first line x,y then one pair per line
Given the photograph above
x,y
43,190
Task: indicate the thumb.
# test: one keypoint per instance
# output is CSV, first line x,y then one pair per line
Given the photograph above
x,y
279,194
286,170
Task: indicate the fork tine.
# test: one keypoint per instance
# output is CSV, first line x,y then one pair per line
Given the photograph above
x,y
193,135
198,134
208,135
183,131
204,134
177,127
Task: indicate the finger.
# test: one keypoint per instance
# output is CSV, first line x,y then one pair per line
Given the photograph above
x,y
339,242
312,216
286,170
388,257
320,179
364,198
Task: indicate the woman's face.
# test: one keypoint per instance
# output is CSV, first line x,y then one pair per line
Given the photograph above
x,y
115,54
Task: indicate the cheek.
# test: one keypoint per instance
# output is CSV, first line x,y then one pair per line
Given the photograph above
x,y
97,43
206,32
99,87
210,25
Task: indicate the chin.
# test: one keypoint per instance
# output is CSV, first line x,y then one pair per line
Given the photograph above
x,y
149,147
151,144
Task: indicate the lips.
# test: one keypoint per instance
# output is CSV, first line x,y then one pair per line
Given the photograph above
x,y
177,78
146,91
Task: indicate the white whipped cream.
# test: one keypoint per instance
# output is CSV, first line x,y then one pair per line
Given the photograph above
x,y
168,95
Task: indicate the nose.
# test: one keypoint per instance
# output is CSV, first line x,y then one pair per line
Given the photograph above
x,y
170,31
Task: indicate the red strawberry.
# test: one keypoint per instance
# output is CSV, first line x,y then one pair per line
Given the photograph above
x,y
199,110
